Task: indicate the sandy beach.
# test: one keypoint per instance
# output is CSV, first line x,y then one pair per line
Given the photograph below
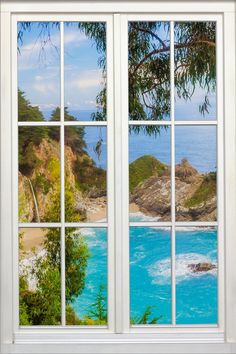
x,y
134,208
33,237
99,213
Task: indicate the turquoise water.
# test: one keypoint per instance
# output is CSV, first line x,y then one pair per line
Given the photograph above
x,y
150,277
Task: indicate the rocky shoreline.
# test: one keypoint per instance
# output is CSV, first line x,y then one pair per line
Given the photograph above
x,y
195,195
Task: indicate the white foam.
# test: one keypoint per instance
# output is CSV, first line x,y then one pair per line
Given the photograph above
x,y
28,265
90,232
160,271
139,216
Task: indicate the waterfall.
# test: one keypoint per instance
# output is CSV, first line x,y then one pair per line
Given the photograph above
x,y
35,201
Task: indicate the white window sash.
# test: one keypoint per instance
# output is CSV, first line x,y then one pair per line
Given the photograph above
x,y
142,339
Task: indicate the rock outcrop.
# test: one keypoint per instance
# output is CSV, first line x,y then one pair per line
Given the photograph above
x,y
195,194
201,267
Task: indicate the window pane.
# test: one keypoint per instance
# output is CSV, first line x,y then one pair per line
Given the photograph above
x,y
85,70
149,71
196,180
39,174
86,276
149,173
196,276
39,277
150,275
38,70
195,70
85,167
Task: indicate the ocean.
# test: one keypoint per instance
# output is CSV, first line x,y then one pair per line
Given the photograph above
x,y
150,274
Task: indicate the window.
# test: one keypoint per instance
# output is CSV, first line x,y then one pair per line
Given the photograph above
x,y
119,195
65,171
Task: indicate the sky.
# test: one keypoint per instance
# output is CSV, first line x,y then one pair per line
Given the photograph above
x,y
39,73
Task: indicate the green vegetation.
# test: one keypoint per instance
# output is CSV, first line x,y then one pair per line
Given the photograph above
x,y
26,112
146,317
89,177
143,168
42,306
98,310
42,183
205,191
29,137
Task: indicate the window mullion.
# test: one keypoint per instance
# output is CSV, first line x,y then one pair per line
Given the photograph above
x,y
62,157
118,175
172,92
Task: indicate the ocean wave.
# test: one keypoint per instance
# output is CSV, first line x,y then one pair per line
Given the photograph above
x,y
92,238
160,271
86,232
139,216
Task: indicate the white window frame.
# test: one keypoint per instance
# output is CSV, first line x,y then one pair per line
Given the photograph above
x,y
108,124
126,340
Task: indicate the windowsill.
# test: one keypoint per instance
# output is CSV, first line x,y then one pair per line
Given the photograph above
x,y
30,337
122,347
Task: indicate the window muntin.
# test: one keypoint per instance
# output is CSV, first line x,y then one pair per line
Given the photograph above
x,y
187,194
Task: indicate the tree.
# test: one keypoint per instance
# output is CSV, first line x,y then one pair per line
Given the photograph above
x,y
42,306
74,136
146,317
149,65
29,136
98,310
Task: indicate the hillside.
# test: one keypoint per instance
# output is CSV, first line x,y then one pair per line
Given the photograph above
x,y
39,191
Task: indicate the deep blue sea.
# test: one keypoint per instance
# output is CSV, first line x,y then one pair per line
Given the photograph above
x,y
150,275
197,144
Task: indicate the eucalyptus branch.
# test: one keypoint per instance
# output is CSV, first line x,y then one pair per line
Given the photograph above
x,y
167,49
146,30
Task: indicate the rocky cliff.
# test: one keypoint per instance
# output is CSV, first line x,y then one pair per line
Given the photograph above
x,y
195,192
39,192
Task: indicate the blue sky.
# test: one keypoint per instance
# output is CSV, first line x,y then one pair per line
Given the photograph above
x,y
39,71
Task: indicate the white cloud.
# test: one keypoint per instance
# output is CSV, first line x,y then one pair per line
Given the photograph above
x,y
44,87
74,37
44,105
90,102
88,79
38,78
31,55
